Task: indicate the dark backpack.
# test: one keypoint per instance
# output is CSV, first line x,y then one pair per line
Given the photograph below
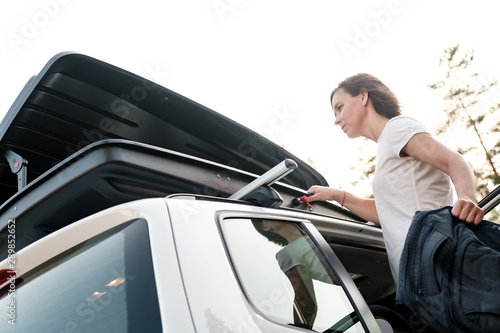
x,y
449,275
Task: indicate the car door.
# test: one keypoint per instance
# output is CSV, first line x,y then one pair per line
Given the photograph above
x,y
238,280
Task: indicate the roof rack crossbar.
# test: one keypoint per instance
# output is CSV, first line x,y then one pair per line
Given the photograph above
x,y
267,179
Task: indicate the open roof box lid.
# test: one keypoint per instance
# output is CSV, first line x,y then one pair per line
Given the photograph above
x,y
77,100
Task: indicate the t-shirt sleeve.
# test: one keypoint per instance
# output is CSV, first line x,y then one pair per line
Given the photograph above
x,y
285,260
293,254
400,130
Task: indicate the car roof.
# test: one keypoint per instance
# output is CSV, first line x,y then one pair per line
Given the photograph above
x,y
77,100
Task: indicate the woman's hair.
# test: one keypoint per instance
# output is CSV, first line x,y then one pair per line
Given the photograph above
x,y
383,99
271,236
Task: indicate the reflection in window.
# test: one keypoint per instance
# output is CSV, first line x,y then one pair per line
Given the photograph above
x,y
284,275
103,285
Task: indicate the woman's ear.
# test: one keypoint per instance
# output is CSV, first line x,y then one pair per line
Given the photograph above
x,y
364,96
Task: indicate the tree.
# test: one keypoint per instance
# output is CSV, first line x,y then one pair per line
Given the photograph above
x,y
469,116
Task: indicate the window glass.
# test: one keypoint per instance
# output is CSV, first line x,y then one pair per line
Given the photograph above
x,y
103,285
284,275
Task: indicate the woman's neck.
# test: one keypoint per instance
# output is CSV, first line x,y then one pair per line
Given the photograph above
x,y
375,125
292,234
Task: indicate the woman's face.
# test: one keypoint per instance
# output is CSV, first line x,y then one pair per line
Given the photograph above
x,y
350,112
273,226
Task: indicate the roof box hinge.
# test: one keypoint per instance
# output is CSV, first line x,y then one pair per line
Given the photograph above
x,y
259,191
18,165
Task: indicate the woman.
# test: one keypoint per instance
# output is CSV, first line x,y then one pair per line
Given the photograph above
x,y
413,169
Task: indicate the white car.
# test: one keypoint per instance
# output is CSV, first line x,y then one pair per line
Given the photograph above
x,y
126,207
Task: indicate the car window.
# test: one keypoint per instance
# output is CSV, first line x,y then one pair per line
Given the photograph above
x,y
284,275
103,285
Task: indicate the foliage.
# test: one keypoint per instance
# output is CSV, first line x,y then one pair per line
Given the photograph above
x,y
469,116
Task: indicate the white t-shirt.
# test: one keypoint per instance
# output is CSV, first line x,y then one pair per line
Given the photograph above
x,y
299,252
403,185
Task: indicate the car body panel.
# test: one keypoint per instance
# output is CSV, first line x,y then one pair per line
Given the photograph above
x,y
194,277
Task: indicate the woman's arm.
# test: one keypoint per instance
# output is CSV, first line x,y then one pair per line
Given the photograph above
x,y
364,208
425,148
305,308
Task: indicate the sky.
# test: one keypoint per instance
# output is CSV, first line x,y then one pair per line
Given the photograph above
x,y
269,65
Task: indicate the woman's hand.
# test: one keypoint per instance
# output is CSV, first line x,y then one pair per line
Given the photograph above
x,y
364,208
467,210
321,193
